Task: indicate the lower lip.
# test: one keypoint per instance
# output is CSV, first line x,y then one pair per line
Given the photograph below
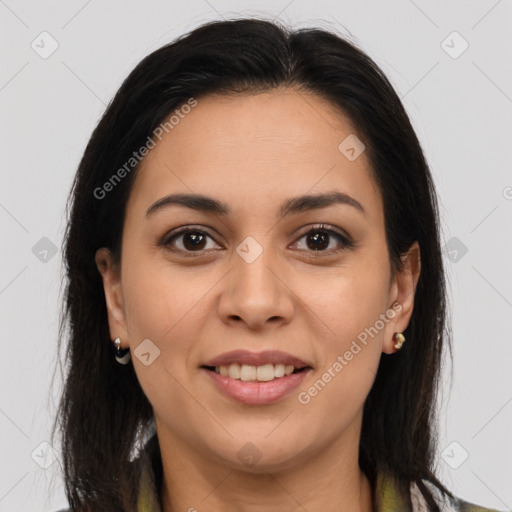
x,y
258,393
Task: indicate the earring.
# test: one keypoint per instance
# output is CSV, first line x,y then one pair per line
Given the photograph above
x,y
122,355
399,338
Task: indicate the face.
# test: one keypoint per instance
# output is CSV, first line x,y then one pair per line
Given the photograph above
x,y
259,273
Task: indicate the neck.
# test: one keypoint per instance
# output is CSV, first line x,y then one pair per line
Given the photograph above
x,y
191,481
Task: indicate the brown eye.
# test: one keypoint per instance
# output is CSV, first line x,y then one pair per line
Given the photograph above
x,y
317,241
188,240
320,240
193,240
324,240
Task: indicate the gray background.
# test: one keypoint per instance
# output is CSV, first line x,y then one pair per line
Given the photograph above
x,y
460,107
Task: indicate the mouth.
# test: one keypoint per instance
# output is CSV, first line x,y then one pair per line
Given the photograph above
x,y
263,366
246,387
252,373
256,378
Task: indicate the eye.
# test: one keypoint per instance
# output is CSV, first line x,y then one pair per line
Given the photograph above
x,y
319,239
189,239
323,239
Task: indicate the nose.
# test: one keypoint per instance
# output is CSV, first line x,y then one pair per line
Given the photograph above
x,y
256,293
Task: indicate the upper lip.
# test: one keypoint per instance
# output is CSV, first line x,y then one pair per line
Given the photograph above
x,y
256,359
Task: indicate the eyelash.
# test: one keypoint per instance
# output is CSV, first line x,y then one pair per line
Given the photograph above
x,y
321,228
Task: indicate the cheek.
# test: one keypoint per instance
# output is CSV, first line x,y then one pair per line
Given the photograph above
x,y
158,299
350,304
348,301
349,349
162,306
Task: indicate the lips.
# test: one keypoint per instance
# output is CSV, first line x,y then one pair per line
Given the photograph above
x,y
255,392
242,357
256,378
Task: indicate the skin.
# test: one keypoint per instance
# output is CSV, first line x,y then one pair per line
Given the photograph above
x,y
253,152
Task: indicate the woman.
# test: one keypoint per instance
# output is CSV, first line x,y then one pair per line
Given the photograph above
x,y
255,289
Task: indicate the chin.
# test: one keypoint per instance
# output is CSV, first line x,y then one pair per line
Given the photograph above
x,y
261,456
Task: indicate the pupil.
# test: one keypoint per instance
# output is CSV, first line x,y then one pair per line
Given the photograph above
x,y
320,241
195,239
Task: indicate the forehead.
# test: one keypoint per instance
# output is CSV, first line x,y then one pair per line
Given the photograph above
x,y
267,145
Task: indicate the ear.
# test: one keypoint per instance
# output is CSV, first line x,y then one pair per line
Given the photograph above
x,y
113,294
401,297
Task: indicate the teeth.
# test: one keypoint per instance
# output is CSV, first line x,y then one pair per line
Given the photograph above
x,y
234,371
247,372
265,372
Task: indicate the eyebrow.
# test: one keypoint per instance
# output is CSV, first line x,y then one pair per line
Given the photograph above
x,y
290,206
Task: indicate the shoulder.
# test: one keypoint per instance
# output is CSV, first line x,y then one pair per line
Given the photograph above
x,y
445,502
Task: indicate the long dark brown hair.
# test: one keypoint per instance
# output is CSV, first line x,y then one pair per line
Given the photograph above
x,y
103,413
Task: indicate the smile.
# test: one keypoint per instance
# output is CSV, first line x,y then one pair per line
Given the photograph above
x,y
246,387
247,372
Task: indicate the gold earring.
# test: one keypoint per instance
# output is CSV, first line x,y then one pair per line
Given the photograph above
x,y
399,338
